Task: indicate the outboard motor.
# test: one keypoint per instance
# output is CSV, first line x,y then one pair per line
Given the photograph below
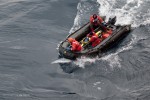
x,y
112,20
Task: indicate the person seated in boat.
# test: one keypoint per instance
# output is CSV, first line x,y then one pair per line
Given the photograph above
x,y
96,21
94,39
106,34
75,45
85,41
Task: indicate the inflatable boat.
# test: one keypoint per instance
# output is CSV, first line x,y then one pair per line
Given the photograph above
x,y
117,33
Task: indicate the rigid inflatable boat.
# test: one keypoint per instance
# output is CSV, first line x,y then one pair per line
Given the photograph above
x,y
117,33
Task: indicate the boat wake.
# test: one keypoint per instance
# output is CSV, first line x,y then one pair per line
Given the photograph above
x,y
132,12
85,9
61,61
81,62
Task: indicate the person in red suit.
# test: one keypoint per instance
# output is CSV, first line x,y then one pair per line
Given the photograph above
x,y
96,21
94,39
75,45
106,34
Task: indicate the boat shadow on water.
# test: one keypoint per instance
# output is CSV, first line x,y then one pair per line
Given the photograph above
x,y
69,67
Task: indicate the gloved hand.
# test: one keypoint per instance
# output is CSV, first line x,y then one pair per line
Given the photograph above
x,y
69,48
104,24
86,39
90,34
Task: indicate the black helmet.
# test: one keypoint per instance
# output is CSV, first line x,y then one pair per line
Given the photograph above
x,y
94,16
91,33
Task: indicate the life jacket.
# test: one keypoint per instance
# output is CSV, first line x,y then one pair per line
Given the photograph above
x,y
107,34
76,46
95,40
96,21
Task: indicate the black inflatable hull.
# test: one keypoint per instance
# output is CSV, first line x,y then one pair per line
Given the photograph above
x,y
118,33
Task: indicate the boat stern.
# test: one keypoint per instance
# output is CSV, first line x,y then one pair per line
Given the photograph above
x,y
64,53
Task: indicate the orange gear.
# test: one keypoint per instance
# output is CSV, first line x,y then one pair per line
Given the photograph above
x,y
71,40
106,35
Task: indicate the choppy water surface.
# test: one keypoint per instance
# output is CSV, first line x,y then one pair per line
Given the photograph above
x,y
30,31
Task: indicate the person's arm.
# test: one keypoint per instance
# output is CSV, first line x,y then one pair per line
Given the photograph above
x,y
73,47
100,19
91,24
91,27
102,22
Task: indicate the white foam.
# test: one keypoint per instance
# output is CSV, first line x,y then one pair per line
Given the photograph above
x,y
99,88
61,60
84,8
81,62
116,59
113,60
76,24
96,83
77,20
128,13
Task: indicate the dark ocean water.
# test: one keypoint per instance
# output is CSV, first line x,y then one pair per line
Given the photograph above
x,y
30,31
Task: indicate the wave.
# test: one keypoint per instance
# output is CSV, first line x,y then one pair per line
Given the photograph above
x,y
84,9
134,12
127,11
61,60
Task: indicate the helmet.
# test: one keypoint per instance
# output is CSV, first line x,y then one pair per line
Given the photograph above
x,y
70,40
94,16
91,33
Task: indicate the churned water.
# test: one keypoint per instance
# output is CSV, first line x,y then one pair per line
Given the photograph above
x,y
31,30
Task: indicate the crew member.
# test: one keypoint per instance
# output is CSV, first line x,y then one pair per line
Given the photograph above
x,y
96,21
75,45
94,39
106,34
